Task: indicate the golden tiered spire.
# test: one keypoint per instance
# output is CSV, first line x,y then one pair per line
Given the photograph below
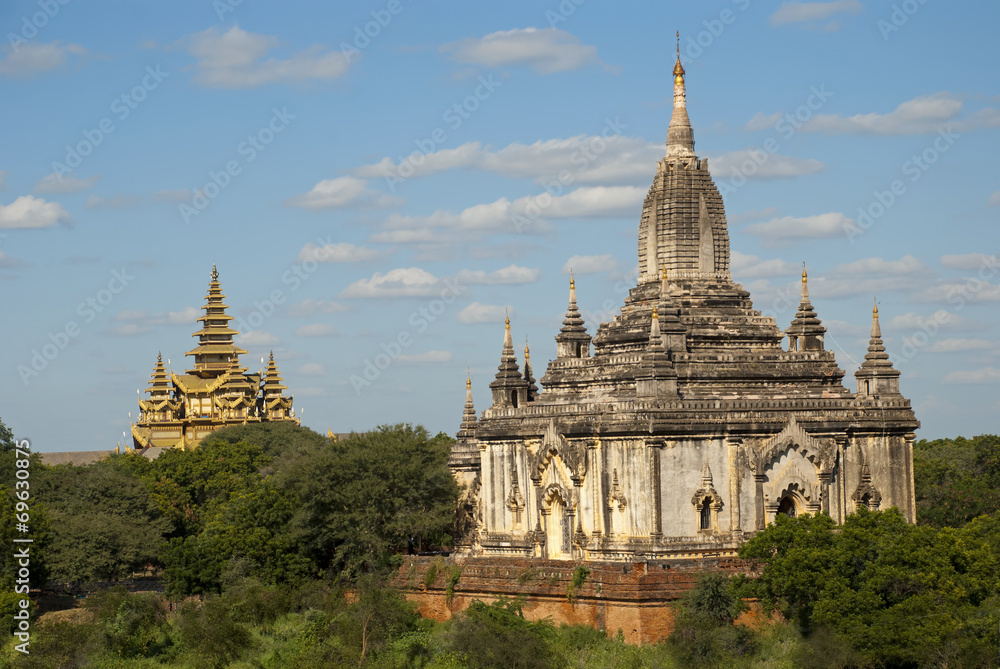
x,y
215,351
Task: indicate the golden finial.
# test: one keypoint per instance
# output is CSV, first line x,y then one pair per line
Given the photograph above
x,y
678,68
875,307
506,317
468,381
572,282
803,271
663,273
656,316
527,354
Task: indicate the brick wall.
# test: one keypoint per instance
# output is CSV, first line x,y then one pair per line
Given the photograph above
x,y
636,598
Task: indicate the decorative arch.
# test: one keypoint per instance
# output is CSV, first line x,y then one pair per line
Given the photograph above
x,y
866,494
707,503
555,445
795,437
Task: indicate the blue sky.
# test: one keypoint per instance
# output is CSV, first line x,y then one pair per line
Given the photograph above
x,y
383,179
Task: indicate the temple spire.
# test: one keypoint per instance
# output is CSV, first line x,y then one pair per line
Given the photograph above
x,y
509,387
216,351
806,331
573,340
532,387
680,136
656,376
469,421
876,376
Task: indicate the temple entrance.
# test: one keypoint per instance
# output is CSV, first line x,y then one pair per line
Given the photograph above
x,y
557,530
787,506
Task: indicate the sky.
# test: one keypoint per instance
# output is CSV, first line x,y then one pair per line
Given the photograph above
x,y
377,182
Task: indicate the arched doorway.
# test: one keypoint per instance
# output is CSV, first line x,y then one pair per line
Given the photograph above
x,y
787,506
557,528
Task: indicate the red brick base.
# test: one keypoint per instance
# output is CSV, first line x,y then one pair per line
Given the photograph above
x,y
637,599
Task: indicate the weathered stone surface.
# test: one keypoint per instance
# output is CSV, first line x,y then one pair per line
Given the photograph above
x,y
683,433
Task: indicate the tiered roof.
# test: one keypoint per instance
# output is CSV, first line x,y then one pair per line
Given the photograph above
x,y
215,351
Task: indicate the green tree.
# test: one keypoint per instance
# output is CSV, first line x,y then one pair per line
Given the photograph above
x,y
359,500
485,636
106,523
957,479
900,595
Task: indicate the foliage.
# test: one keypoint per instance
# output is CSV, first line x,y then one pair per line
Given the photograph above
x,y
6,438
454,573
897,594
361,498
956,479
497,635
108,524
704,634
579,577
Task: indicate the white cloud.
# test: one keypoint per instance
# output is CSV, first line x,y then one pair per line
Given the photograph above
x,y
31,59
995,199
55,183
905,265
939,320
761,121
425,358
310,392
961,291
590,264
258,338
337,253
312,369
317,330
973,261
311,307
178,195
958,345
403,236
28,211
765,166
800,12
114,202
477,312
546,50
745,266
340,193
921,115
522,215
984,375
612,160
400,282
130,329
754,215
788,229
6,262
512,274
187,316
239,59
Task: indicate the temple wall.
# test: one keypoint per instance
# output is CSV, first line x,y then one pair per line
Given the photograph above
x,y
638,599
680,476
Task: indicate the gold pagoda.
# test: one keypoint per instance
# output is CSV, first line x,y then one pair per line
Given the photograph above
x,y
182,409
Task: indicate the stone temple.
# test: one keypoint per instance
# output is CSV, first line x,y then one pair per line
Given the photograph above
x,y
684,425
